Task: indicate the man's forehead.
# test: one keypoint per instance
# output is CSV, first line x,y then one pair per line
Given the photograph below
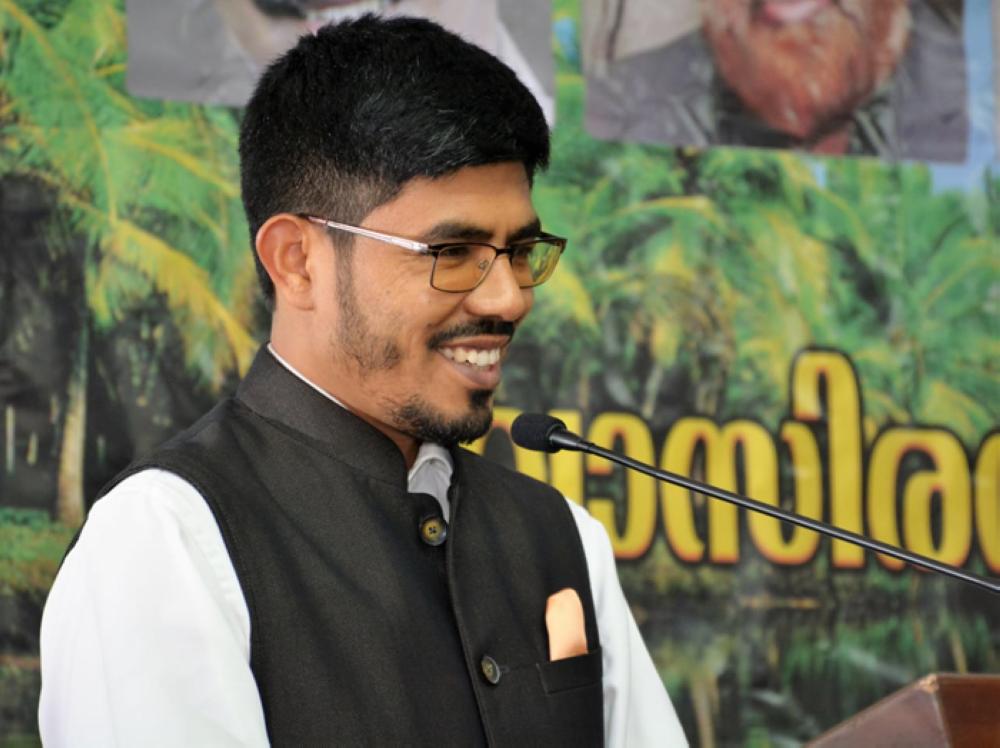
x,y
473,202
501,171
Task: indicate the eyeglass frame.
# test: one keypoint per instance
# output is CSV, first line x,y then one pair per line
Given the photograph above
x,y
435,249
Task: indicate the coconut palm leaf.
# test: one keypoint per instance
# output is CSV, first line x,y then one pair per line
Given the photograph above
x,y
151,187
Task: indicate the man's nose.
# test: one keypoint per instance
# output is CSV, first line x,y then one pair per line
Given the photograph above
x,y
499,295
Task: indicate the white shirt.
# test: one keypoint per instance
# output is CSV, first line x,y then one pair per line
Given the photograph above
x,y
145,636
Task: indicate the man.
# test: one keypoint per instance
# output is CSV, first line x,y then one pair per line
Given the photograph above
x,y
315,561
829,76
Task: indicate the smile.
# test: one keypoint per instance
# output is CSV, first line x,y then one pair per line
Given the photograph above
x,y
791,11
480,358
336,10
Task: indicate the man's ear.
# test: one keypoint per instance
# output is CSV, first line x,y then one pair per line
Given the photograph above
x,y
284,244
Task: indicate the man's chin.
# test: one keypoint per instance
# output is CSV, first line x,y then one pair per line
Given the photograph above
x,y
422,421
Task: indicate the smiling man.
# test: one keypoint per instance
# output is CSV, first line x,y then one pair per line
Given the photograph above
x,y
411,340
317,561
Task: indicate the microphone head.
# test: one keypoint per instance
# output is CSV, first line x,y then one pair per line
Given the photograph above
x,y
534,431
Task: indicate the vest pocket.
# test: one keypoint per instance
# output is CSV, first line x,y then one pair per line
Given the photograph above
x,y
571,672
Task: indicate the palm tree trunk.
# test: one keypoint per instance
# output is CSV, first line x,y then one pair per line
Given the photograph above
x,y
69,501
651,391
583,390
701,695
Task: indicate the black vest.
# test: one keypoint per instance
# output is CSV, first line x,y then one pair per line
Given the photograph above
x,y
363,631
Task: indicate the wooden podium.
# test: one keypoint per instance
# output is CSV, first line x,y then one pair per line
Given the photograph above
x,y
939,711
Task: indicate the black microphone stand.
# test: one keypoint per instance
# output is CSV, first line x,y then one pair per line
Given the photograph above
x,y
562,439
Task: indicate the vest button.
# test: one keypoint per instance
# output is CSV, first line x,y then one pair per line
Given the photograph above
x,y
433,531
491,671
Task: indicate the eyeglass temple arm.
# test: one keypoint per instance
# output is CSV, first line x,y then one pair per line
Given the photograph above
x,y
399,241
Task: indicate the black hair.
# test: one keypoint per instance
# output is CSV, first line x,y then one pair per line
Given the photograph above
x,y
339,123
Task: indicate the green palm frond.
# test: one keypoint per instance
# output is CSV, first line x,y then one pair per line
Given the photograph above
x,y
185,285
564,299
152,186
698,207
945,404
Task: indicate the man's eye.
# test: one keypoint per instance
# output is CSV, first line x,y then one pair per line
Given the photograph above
x,y
521,254
457,252
455,256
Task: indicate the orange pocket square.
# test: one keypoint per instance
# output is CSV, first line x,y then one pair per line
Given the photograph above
x,y
564,623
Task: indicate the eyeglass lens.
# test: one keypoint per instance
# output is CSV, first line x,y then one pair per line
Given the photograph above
x,y
461,267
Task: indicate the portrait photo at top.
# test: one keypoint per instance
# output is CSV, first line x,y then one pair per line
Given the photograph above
x,y
884,78
212,51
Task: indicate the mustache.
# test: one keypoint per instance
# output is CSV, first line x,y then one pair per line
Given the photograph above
x,y
471,329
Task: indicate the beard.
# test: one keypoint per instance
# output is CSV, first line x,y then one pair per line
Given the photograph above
x,y
370,352
805,78
418,419
373,353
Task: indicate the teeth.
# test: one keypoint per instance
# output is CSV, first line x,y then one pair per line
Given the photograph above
x,y
329,15
472,356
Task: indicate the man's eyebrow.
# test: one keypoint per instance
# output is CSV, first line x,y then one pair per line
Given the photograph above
x,y
528,231
449,231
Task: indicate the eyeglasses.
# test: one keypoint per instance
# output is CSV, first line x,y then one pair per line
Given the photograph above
x,y
462,266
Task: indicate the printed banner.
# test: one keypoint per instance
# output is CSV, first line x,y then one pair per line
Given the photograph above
x,y
817,332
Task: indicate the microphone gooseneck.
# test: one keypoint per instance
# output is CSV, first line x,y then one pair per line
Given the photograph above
x,y
544,433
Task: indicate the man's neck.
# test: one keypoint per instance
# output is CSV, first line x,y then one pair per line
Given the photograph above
x,y
404,442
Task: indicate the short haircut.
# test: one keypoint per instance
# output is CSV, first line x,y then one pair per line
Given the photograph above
x,y
339,123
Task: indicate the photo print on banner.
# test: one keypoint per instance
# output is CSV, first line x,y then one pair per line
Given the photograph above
x,y
886,79
212,51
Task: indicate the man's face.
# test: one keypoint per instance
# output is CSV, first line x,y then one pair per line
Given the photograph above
x,y
803,65
403,355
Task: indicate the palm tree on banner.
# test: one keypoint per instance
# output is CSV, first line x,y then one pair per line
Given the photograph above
x,y
710,268
150,187
929,351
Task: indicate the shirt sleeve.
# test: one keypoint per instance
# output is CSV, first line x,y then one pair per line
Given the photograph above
x,y
637,709
145,634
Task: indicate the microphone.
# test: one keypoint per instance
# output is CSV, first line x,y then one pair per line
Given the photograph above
x,y
543,433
